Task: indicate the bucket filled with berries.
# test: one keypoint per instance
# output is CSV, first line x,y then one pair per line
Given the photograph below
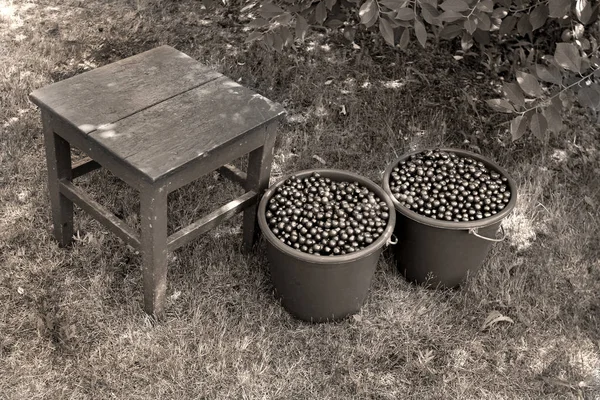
x,y
449,207
325,230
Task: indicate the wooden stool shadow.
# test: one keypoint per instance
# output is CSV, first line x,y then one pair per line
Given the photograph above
x,y
158,121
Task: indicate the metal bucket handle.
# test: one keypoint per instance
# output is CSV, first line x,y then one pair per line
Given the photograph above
x,y
392,240
473,231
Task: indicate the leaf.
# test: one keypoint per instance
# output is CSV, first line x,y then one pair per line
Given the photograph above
x,y
559,8
270,10
500,105
330,4
254,36
529,84
387,31
301,27
257,23
420,32
493,318
283,19
538,126
321,13
518,126
485,24
368,13
554,118
500,12
454,5
470,25
405,14
286,36
587,199
430,14
466,41
482,37
404,39
583,11
588,97
277,42
450,16
524,26
486,5
567,56
514,93
538,16
394,4
508,24
548,74
451,31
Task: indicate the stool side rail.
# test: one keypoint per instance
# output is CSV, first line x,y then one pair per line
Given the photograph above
x,y
100,213
234,174
206,223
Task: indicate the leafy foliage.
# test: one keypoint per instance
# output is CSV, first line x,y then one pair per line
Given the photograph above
x,y
550,45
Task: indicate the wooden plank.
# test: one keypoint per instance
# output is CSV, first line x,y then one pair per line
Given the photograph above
x,y
99,212
202,165
58,158
259,172
112,92
84,166
233,173
162,139
108,160
203,225
153,220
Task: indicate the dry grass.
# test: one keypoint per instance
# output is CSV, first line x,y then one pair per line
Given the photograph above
x,y
71,322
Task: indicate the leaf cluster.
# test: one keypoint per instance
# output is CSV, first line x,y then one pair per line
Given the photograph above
x,y
547,77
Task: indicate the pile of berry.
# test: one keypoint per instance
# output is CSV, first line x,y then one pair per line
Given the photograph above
x,y
447,186
318,215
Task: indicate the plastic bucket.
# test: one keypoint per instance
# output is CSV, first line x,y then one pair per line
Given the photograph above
x,y
443,253
323,288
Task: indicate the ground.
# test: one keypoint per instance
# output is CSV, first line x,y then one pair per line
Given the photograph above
x,y
71,320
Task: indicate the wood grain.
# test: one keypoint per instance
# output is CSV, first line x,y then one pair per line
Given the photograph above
x,y
107,94
163,138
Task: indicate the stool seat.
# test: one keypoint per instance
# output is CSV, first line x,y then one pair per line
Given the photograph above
x,y
157,111
158,120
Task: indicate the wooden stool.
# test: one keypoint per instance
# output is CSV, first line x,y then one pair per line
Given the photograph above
x,y
158,121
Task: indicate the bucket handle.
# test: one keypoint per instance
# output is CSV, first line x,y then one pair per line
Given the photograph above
x,y
473,231
392,240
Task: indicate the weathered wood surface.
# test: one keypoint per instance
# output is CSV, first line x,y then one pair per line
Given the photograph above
x,y
112,92
99,212
58,159
84,166
153,221
165,137
206,223
234,174
259,172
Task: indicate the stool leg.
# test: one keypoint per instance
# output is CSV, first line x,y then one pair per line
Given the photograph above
x,y
258,174
153,219
58,158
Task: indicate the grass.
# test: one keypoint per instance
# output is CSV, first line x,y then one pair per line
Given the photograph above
x,y
71,320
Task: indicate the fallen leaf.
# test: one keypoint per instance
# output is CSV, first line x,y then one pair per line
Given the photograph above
x,y
493,318
20,290
343,110
357,317
319,159
589,200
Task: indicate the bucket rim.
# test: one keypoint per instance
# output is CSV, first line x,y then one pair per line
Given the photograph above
x,y
463,225
334,174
